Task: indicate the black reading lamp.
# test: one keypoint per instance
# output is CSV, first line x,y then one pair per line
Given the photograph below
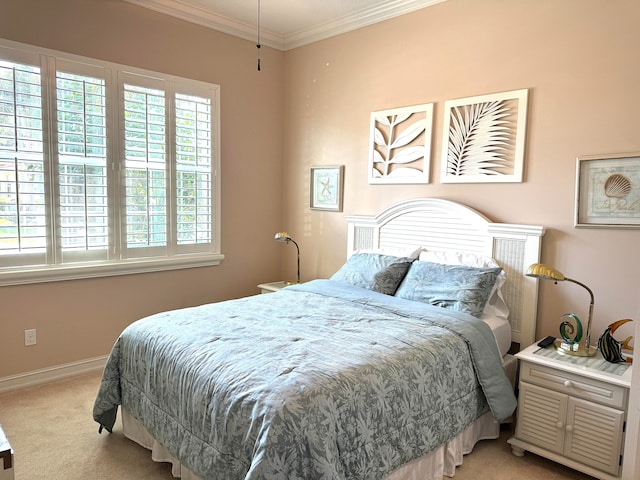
x,y
576,345
285,237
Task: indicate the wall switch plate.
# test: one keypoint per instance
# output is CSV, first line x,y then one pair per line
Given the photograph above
x,y
29,337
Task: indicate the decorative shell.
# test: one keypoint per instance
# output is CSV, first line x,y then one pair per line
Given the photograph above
x,y
617,186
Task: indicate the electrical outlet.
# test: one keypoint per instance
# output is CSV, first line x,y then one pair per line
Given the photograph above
x,y
29,337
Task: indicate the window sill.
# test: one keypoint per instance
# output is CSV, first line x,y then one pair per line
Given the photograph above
x,y
77,272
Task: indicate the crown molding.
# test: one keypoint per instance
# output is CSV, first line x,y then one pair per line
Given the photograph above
x,y
360,19
365,17
206,18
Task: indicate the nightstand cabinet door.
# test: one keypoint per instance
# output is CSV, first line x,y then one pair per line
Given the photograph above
x,y
594,435
578,429
541,415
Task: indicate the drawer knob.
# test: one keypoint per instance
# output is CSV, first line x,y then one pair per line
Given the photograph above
x,y
568,383
569,428
559,425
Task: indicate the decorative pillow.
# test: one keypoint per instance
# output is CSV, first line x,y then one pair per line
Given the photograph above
x,y
496,306
373,271
456,287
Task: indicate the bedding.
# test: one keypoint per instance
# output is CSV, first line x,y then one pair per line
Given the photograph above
x,y
457,287
378,272
433,466
495,306
501,329
319,380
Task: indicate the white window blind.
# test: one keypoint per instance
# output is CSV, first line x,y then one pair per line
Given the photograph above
x,y
145,139
81,123
104,169
23,237
193,169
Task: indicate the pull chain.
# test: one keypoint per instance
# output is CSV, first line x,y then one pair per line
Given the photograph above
x,y
258,45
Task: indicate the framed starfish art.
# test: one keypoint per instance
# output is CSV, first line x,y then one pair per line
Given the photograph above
x,y
326,188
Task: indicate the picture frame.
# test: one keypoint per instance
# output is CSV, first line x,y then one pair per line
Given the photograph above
x,y
483,138
326,187
608,191
400,145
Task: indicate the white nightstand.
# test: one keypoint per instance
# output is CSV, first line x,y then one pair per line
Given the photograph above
x,y
572,410
273,286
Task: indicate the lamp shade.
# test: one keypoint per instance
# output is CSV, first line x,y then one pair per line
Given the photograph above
x,y
282,237
545,272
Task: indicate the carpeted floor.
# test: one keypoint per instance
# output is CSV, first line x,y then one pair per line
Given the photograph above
x,y
51,430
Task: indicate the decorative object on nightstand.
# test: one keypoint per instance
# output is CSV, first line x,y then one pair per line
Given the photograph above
x,y
610,348
285,237
570,345
572,410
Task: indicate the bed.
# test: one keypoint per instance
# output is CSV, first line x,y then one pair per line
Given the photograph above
x,y
362,375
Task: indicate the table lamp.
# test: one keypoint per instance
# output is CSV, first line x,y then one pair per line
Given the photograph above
x,y
577,346
285,237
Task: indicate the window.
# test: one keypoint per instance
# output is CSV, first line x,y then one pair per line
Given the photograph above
x,y
104,169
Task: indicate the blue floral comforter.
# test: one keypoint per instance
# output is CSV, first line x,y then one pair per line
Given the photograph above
x,y
317,381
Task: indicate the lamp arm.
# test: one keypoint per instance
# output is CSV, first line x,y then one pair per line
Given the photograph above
x,y
298,248
588,335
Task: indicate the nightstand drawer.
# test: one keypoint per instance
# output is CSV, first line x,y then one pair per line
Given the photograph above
x,y
574,385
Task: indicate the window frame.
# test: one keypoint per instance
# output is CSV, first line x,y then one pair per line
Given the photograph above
x,y
204,254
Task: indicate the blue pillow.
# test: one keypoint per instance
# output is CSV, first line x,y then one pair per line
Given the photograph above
x,y
456,287
374,271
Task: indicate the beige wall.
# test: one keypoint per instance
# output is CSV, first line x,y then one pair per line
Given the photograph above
x,y
311,106
76,320
578,60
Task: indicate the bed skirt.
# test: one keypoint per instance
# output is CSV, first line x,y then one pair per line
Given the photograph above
x,y
433,466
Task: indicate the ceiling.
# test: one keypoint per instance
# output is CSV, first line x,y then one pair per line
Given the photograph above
x,y
285,24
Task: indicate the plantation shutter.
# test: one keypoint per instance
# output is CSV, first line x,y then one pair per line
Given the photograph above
x,y
193,152
23,206
104,170
146,169
83,192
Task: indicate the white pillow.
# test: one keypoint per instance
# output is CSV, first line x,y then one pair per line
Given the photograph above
x,y
496,304
407,252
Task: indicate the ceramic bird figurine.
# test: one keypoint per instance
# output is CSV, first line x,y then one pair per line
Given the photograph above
x,y
610,348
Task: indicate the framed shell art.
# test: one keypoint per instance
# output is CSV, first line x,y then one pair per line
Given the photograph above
x,y
608,191
484,137
400,145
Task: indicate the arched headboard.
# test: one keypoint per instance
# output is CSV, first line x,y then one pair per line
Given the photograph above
x,y
437,224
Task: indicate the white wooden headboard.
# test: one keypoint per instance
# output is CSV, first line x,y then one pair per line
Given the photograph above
x,y
437,225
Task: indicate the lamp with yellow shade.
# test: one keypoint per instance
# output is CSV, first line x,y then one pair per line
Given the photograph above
x,y
579,344
285,237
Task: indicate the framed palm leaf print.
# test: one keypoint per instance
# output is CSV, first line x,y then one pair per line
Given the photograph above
x,y
484,137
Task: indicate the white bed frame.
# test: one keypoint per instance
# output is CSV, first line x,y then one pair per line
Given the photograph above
x,y
440,225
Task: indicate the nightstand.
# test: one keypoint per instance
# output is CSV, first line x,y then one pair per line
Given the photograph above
x,y
572,410
272,287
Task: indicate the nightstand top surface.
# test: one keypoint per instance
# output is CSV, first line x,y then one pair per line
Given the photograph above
x,y
594,367
275,286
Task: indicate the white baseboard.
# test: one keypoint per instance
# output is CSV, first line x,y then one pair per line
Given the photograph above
x,y
51,374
